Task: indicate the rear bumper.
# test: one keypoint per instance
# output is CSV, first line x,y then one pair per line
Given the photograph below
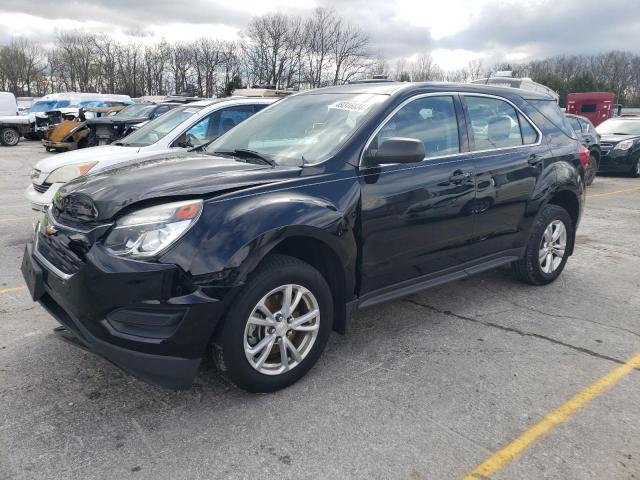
x,y
129,312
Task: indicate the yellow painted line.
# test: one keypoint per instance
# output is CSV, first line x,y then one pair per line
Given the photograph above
x,y
505,455
14,219
12,289
614,192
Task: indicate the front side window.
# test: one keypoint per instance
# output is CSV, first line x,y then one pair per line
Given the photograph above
x,y
159,127
432,120
497,124
302,128
586,125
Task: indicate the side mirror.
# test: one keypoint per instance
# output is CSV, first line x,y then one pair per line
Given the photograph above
x,y
183,141
397,150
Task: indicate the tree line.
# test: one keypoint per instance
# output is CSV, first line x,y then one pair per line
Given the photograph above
x,y
284,51
280,50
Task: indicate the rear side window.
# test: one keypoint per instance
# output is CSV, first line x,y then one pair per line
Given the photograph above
x,y
497,124
431,120
575,124
550,109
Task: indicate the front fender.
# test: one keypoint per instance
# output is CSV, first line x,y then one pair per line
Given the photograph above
x,y
234,235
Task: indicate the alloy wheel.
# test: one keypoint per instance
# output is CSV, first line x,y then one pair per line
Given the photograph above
x,y
552,246
281,329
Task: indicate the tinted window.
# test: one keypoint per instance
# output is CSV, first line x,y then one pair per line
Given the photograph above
x,y
218,123
529,135
494,123
431,120
551,111
575,124
160,110
586,125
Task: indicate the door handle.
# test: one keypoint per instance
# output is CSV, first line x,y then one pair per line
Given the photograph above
x,y
459,176
534,159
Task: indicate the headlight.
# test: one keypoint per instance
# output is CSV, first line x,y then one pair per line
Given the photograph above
x,y
69,172
149,231
624,145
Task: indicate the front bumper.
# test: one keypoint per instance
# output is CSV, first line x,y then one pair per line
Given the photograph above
x,y
616,161
140,316
59,145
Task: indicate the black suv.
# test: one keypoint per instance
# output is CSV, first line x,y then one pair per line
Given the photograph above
x,y
620,145
325,202
590,138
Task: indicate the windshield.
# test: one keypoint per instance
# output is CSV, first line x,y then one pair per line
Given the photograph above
x,y
44,105
159,127
619,127
302,128
136,111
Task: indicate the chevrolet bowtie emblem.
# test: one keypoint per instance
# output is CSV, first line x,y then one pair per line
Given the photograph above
x,y
49,230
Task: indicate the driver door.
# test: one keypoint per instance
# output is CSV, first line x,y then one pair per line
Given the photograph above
x,y
417,218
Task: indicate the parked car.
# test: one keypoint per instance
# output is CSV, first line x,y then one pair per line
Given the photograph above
x,y
620,144
183,127
34,125
255,249
590,138
72,132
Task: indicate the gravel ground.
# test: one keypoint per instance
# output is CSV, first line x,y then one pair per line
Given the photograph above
x,y
426,387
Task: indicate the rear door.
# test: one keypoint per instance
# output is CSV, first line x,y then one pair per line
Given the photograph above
x,y
509,156
416,217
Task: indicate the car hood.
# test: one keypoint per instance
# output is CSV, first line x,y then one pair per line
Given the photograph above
x,y
178,175
105,155
115,120
613,139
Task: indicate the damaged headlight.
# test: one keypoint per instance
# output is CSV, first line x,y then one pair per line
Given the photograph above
x,y
69,172
149,231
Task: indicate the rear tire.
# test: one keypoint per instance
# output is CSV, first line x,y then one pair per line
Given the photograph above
x,y
592,168
9,136
541,263
236,346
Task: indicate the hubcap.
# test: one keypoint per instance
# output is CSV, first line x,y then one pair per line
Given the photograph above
x,y
281,329
552,246
9,136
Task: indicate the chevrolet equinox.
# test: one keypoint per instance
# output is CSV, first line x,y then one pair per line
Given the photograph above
x,y
253,249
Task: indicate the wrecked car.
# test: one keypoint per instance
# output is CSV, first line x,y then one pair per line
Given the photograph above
x,y
72,132
253,251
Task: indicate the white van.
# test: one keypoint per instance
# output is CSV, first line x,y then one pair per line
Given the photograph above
x,y
8,104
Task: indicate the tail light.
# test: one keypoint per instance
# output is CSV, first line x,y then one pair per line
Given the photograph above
x,y
584,156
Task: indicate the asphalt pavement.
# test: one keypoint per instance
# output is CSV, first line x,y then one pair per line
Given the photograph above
x,y
426,387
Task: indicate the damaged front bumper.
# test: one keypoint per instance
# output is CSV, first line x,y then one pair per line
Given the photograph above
x,y
143,317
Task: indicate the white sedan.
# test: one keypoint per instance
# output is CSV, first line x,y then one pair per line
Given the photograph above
x,y
194,124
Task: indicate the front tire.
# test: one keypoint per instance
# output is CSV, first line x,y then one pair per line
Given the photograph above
x,y
591,170
277,326
635,170
547,250
9,137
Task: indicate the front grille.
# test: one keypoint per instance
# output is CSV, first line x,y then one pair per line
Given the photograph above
x,y
41,188
58,252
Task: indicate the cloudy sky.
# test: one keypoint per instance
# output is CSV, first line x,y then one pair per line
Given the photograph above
x,y
454,31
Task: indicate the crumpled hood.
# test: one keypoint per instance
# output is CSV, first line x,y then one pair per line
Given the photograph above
x,y
179,175
104,155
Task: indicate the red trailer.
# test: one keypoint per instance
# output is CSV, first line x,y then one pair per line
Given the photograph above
x,y
596,106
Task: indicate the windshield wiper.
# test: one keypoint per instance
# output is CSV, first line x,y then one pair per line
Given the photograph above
x,y
243,152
